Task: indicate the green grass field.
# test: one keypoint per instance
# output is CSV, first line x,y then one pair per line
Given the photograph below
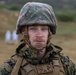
x,y
66,28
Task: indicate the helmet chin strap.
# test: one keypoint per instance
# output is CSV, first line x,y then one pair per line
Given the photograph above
x,y
49,38
36,49
26,40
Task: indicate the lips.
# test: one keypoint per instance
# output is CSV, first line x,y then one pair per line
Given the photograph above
x,y
38,40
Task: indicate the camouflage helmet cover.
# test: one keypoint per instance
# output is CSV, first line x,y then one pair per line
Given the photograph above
x,y
36,13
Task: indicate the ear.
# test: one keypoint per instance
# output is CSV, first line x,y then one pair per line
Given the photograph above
x,y
22,32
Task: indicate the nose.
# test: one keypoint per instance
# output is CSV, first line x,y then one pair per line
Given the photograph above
x,y
39,34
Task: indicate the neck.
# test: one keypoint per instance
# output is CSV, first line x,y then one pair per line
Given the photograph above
x,y
40,54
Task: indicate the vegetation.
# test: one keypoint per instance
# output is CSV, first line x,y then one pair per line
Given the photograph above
x,y
12,7
58,4
66,17
66,27
64,9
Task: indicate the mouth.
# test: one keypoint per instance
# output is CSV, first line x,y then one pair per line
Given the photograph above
x,y
38,40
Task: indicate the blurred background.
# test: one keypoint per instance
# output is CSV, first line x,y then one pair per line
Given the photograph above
x,y
65,11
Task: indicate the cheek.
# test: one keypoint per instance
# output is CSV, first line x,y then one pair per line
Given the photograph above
x,y
46,35
31,36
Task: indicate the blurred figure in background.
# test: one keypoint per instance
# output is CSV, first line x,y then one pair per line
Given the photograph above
x,y
8,37
36,55
14,37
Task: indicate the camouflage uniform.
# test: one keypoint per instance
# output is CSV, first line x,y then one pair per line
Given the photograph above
x,y
37,13
69,66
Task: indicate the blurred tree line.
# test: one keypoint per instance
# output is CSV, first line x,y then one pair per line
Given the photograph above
x,y
65,10
57,4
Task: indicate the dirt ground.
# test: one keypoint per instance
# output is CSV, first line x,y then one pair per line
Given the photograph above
x,y
67,42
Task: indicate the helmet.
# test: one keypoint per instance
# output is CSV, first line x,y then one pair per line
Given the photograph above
x,y
36,13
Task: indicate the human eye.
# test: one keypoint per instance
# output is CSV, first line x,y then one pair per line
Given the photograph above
x,y
44,29
33,28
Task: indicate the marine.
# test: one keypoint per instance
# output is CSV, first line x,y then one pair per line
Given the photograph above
x,y
36,55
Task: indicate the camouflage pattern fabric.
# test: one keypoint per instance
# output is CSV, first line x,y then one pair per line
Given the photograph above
x,y
69,66
36,13
6,68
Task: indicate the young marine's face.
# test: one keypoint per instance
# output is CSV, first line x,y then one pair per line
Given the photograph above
x,y
38,36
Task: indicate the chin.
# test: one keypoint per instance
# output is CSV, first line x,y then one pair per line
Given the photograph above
x,y
39,46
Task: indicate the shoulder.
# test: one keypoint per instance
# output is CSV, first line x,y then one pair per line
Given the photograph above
x,y
7,66
68,64
66,59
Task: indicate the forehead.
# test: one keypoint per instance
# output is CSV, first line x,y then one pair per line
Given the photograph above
x,y
38,26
